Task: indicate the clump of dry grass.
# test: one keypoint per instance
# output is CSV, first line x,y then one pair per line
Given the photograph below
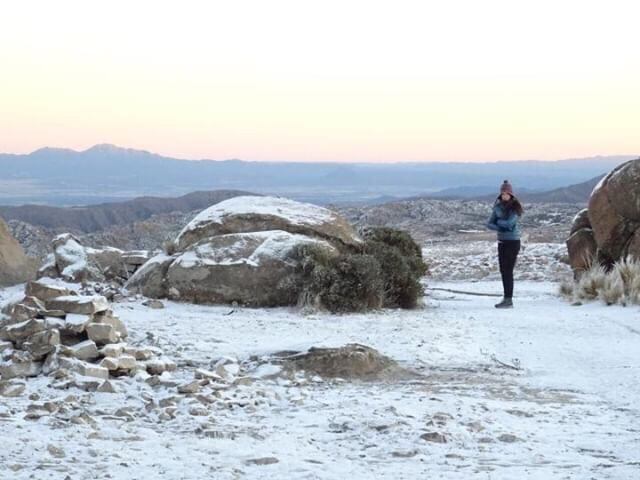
x,y
628,270
613,289
566,289
620,285
591,283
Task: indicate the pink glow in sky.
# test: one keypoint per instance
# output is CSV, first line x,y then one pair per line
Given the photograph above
x,y
331,80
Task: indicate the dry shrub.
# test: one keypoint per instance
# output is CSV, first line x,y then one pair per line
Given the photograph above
x,y
401,264
634,290
613,289
347,282
621,284
566,289
386,272
591,283
628,270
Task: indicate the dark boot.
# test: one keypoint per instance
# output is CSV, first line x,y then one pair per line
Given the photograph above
x,y
505,303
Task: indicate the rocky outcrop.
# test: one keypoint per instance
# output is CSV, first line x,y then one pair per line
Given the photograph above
x,y
614,212
350,362
149,279
15,266
73,262
610,229
76,339
243,250
581,243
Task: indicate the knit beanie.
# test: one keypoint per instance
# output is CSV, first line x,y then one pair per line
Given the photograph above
x,y
506,188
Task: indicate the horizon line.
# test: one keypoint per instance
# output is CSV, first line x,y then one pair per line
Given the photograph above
x,y
115,147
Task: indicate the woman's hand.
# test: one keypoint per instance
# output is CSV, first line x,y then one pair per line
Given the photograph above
x,y
508,223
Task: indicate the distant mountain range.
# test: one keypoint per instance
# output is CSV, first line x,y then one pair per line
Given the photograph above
x,y
106,173
95,218
578,193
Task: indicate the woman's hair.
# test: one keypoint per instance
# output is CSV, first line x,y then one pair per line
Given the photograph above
x,y
513,204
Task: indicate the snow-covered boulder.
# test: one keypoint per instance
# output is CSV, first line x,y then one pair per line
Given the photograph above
x,y
614,213
149,279
71,259
352,361
248,268
45,290
254,214
79,304
76,263
243,250
110,262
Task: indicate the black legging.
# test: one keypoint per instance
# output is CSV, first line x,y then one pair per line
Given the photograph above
x,y
507,254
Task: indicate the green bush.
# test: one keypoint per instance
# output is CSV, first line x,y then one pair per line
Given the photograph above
x,y
385,273
351,283
398,239
401,264
348,282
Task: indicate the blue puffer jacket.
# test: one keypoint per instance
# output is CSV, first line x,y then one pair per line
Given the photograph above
x,y
506,224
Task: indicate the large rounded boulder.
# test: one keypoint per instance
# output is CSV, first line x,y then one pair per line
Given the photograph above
x,y
614,213
244,250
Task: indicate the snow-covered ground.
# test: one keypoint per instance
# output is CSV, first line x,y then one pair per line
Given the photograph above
x,y
570,411
478,259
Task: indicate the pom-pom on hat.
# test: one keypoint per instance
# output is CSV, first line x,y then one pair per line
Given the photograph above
x,y
506,188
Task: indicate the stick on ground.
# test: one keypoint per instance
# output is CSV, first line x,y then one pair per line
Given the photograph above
x,y
479,294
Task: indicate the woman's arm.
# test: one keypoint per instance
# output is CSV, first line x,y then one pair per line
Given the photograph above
x,y
508,223
491,224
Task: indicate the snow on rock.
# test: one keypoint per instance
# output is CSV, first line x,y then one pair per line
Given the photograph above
x,y
296,213
351,361
252,213
75,263
59,336
70,257
247,248
280,245
86,304
149,279
242,250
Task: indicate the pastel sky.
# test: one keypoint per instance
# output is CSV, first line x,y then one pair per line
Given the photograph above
x,y
323,80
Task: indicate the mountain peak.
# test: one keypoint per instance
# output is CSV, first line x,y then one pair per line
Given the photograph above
x,y
109,149
51,150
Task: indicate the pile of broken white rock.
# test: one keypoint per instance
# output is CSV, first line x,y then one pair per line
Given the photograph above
x,y
75,339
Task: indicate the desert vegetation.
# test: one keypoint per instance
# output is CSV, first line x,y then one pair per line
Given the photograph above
x,y
386,272
618,285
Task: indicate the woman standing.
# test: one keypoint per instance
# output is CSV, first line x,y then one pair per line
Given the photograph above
x,y
504,220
